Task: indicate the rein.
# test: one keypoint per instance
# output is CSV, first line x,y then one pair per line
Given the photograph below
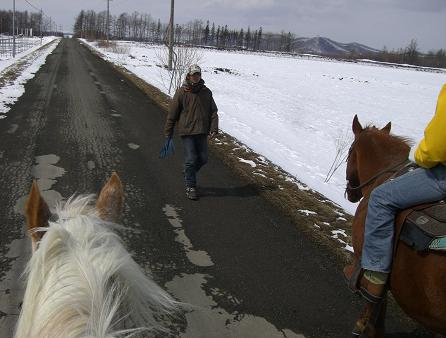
x,y
382,172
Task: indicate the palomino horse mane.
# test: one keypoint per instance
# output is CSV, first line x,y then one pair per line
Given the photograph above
x,y
82,282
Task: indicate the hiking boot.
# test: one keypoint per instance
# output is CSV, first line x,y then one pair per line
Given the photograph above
x,y
191,193
354,276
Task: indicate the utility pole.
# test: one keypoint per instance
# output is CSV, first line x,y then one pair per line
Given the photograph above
x,y
41,34
108,20
13,29
171,36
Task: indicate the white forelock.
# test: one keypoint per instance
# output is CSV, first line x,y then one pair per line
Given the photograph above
x,y
82,282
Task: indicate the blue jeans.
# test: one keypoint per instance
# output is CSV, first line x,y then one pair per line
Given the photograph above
x,y
195,156
416,187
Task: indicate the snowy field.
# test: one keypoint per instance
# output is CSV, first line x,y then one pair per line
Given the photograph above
x,y
291,110
23,66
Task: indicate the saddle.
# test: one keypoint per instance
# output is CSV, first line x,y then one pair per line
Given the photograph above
x,y
424,227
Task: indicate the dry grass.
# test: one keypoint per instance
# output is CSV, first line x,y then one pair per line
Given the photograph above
x,y
11,73
113,47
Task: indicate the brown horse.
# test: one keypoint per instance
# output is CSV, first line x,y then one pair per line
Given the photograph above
x,y
418,280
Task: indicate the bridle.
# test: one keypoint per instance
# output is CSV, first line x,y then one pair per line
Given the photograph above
x,y
393,169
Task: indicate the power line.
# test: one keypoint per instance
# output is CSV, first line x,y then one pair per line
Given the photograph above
x,y
42,14
38,9
29,3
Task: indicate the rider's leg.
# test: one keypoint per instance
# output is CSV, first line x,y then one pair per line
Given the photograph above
x,y
416,187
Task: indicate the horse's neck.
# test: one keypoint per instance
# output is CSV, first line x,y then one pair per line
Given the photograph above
x,y
378,155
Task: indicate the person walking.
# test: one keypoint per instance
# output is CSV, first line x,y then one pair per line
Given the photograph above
x,y
194,113
422,185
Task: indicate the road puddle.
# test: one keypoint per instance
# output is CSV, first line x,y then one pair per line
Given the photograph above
x,y
91,165
13,128
196,257
204,317
46,172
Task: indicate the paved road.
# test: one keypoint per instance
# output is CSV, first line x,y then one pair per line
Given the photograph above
x,y
246,268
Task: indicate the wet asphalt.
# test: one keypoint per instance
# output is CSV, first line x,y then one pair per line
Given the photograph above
x,y
245,268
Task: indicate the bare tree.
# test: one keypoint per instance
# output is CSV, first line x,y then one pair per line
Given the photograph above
x,y
412,51
183,57
342,141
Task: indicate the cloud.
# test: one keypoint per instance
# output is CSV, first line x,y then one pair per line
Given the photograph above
x,y
408,5
422,5
240,4
374,22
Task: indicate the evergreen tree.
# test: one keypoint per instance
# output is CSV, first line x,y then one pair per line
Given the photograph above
x,y
254,41
259,39
213,34
288,44
248,38
225,36
79,25
241,38
218,37
206,33
158,32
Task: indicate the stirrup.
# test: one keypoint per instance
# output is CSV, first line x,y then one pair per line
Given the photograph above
x,y
353,282
372,298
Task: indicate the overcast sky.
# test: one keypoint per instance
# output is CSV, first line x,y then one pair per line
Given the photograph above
x,y
376,23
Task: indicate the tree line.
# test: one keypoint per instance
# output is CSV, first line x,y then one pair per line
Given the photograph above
x,y
25,22
411,55
143,27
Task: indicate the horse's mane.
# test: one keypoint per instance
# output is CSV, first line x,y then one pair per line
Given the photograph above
x,y
82,282
394,144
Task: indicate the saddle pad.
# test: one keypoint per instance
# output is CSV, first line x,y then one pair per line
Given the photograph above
x,y
423,227
438,244
431,220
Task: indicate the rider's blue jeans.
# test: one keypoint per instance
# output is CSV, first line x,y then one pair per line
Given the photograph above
x,y
195,156
416,187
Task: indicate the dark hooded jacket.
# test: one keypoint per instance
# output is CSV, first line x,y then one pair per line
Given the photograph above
x,y
192,110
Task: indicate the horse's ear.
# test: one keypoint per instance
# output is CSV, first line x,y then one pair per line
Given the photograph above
x,y
356,126
110,201
37,213
387,128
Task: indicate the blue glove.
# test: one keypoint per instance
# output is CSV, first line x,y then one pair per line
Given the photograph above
x,y
168,148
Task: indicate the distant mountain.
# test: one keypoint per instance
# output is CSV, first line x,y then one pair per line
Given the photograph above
x,y
325,46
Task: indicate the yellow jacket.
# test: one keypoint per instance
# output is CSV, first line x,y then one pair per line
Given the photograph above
x,y
432,148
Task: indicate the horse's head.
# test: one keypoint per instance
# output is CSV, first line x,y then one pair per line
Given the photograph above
x,y
108,207
353,189
81,256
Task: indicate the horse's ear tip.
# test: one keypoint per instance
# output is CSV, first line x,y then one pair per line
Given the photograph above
x,y
34,187
115,177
